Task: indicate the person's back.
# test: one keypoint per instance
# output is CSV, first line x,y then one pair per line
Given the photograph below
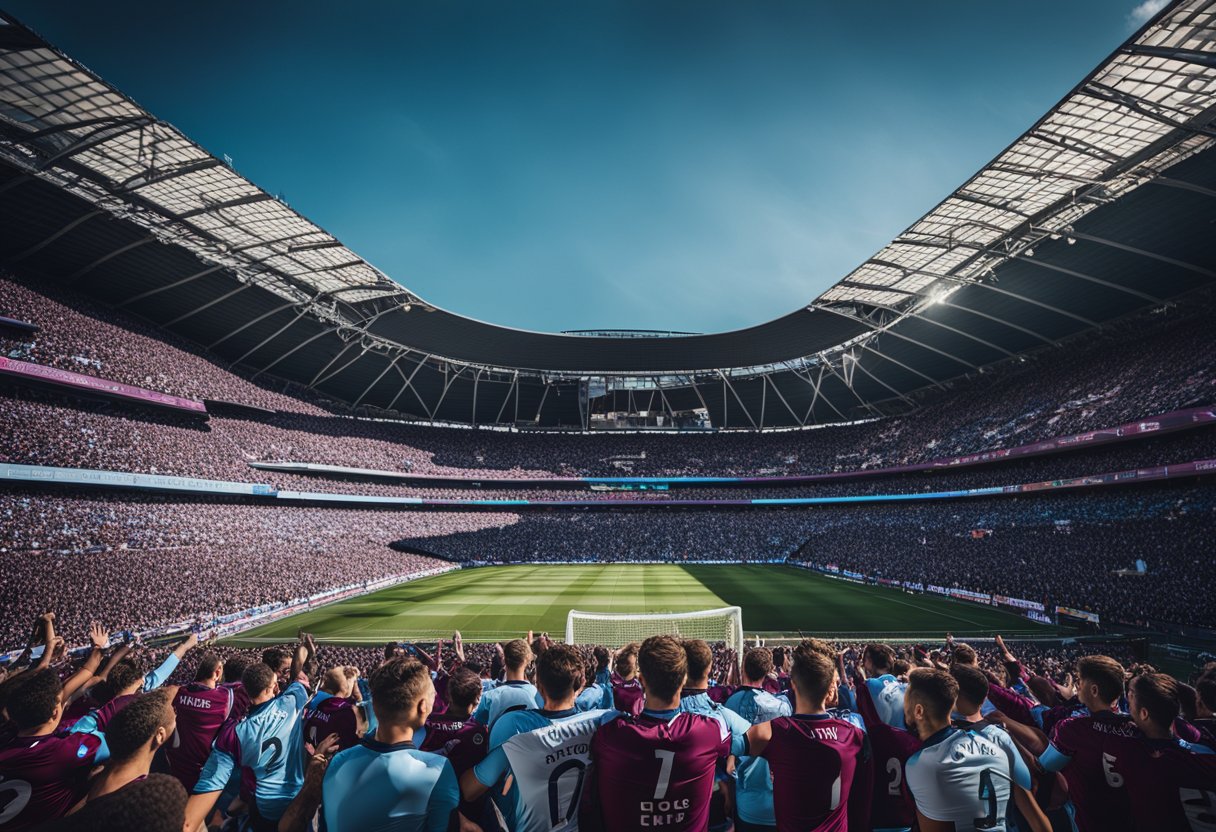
x,y
43,772
953,778
201,708
415,790
816,759
813,759
657,769
537,766
1087,749
627,695
515,693
753,779
385,783
890,748
887,692
266,746
546,754
962,777
1170,782
327,713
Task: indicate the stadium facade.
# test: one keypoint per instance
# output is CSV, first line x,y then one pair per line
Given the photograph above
x,y
1102,209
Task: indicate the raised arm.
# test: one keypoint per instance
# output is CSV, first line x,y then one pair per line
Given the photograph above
x,y
306,650
162,673
100,641
427,659
115,657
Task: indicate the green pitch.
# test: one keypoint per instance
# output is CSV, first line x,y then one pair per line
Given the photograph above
x,y
506,601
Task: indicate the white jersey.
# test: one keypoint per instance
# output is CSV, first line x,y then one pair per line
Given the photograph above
x,y
967,777
547,756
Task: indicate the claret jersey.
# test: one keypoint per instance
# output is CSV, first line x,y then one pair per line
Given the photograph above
x,y
656,770
1088,751
42,777
815,761
200,710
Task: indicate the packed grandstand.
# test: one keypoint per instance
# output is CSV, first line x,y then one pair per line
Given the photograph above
x,y
213,416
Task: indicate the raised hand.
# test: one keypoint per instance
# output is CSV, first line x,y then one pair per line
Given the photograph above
x,y
98,636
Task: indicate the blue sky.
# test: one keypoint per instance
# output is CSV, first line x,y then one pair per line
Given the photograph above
x,y
569,165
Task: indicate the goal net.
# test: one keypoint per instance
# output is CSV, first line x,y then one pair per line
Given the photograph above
x,y
616,629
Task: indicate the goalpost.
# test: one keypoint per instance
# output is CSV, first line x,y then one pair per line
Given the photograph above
x,y
616,629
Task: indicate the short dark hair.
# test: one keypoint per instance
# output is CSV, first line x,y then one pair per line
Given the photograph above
x,y
398,684
779,655
234,668
601,657
1104,672
1158,694
516,653
879,655
134,726
208,663
757,662
934,690
258,678
273,657
626,659
900,667
664,665
560,671
964,654
464,688
32,698
972,683
700,658
816,644
812,673
122,675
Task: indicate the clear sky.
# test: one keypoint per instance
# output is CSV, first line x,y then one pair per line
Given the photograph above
x,y
682,164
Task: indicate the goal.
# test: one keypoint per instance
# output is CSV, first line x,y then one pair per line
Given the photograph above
x,y
616,629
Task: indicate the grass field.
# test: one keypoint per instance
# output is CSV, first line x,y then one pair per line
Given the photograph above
x,y
498,602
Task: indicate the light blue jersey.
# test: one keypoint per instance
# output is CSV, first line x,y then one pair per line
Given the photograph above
x,y
753,781
887,692
966,777
267,746
508,696
376,787
546,755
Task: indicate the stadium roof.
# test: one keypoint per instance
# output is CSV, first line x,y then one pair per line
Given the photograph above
x,y
1103,207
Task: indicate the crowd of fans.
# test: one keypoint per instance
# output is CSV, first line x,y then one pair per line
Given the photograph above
x,y
51,431
531,734
1064,549
1164,362
157,560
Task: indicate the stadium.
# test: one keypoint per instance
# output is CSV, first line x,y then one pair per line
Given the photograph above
x,y
244,472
